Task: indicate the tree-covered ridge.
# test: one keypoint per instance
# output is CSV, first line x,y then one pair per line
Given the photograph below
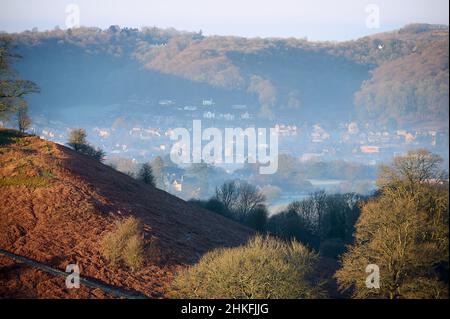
x,y
414,86
401,74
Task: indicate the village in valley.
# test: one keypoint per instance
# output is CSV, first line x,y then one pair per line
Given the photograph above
x,y
140,131
144,135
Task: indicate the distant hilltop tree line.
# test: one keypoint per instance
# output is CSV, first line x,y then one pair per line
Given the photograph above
x,y
400,75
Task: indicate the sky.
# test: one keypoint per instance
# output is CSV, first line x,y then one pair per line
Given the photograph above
x,y
312,19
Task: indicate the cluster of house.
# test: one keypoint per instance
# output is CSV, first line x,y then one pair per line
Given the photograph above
x,y
206,110
143,135
286,130
359,140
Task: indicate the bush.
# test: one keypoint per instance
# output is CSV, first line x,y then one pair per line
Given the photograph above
x,y
96,153
134,252
124,245
263,268
146,174
77,140
28,181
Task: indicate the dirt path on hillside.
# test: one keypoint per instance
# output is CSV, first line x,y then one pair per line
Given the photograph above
x,y
114,291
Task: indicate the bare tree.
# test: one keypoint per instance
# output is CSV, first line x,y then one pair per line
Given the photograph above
x,y
23,119
412,170
227,194
249,199
240,198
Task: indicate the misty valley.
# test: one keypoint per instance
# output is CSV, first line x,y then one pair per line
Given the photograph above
x,y
170,164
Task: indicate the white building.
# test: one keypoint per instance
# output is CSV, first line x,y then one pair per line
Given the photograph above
x,y
208,102
353,128
209,115
245,116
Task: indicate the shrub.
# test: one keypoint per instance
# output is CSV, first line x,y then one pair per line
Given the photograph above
x,y
96,153
263,268
28,181
146,174
134,252
77,140
8,136
124,245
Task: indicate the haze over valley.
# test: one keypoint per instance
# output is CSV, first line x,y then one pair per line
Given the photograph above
x,y
245,161
358,102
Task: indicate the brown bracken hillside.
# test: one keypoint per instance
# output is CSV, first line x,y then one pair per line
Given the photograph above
x,y
56,205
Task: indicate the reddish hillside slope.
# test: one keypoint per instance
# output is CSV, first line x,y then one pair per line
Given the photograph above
x,y
57,204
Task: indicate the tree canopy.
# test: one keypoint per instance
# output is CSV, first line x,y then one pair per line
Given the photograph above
x,y
404,231
13,89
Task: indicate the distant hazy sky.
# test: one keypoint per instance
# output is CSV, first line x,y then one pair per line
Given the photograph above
x,y
315,19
